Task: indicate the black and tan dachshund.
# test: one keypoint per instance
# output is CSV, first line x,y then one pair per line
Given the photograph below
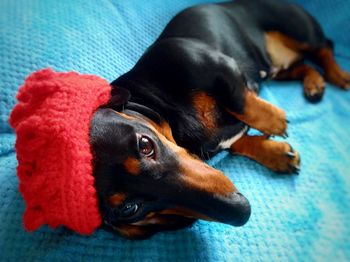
x,y
194,93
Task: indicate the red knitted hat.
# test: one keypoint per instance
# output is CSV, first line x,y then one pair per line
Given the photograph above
x,y
52,120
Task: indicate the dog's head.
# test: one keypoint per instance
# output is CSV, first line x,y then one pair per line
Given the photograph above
x,y
147,183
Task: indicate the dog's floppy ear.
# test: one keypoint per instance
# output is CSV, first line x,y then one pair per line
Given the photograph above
x,y
120,96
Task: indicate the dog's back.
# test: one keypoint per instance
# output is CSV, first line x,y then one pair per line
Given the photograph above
x,y
237,28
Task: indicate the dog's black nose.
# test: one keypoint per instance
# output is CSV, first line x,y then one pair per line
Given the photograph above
x,y
240,209
232,210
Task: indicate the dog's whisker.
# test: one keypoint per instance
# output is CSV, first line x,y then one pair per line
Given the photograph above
x,y
202,153
208,156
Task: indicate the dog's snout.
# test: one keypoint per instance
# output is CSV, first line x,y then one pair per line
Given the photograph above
x,y
212,193
240,208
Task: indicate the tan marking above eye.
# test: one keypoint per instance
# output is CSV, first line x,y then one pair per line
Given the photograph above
x,y
132,165
162,128
166,131
116,199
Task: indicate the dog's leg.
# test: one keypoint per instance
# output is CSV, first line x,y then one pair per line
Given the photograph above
x,y
324,57
261,115
285,51
277,156
314,84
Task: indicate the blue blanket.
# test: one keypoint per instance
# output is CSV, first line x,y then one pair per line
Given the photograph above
x,y
294,218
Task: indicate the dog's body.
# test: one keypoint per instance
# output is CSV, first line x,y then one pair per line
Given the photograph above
x,y
195,89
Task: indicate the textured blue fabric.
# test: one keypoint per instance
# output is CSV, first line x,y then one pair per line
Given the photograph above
x,y
294,218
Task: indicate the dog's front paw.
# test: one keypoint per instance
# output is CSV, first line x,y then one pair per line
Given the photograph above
x,y
274,122
280,157
266,117
270,120
263,116
277,156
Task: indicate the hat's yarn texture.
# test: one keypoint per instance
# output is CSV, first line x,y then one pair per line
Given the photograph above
x,y
52,120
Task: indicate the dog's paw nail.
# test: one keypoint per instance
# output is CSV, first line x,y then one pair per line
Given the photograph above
x,y
297,170
290,155
285,135
294,169
291,149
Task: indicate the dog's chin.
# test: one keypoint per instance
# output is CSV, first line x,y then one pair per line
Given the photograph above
x,y
141,230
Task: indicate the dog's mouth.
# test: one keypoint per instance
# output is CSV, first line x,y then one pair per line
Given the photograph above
x,y
233,210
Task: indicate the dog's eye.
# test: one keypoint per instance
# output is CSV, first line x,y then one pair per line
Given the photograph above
x,y
146,147
129,209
